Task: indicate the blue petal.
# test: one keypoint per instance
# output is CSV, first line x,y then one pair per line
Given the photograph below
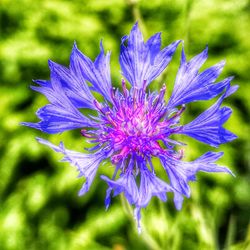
x,y
207,127
191,86
206,163
97,72
87,165
126,183
137,216
180,172
61,114
142,62
151,185
75,87
108,197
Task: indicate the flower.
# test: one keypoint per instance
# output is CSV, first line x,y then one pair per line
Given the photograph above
x,y
132,125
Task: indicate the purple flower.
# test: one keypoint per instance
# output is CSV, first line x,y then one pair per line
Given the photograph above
x,y
132,125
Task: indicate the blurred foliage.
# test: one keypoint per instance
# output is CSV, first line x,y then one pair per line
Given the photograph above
x,y
39,206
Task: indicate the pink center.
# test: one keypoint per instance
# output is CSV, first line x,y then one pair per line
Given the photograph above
x,y
134,125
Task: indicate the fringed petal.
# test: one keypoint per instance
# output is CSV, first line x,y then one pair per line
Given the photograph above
x,y
150,186
191,86
207,127
180,173
61,114
74,86
97,72
86,164
125,183
142,62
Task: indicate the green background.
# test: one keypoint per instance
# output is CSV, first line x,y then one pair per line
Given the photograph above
x,y
39,206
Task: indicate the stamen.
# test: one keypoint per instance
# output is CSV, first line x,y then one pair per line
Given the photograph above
x,y
124,89
85,133
133,126
144,86
98,105
177,114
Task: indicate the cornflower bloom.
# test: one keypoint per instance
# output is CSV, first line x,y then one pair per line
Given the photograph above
x,y
132,126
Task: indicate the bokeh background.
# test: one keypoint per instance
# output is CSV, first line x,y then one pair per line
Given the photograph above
x,y
39,205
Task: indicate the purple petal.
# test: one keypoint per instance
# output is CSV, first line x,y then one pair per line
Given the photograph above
x,y
207,127
108,197
206,163
151,185
74,87
191,86
126,183
180,172
137,216
61,114
97,73
178,200
77,92
87,165
142,62
162,59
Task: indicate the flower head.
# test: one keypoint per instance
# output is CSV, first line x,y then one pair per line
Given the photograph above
x,y
132,125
